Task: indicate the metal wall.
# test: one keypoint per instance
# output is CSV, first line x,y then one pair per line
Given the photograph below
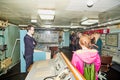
x,y
11,56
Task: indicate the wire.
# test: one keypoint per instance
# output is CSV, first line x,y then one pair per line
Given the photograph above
x,y
50,77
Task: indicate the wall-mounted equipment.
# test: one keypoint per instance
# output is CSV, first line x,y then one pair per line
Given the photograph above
x,y
3,23
9,48
3,47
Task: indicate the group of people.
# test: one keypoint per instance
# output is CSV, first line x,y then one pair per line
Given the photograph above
x,y
96,42
89,52
74,41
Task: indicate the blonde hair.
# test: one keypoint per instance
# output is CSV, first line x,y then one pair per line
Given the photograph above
x,y
85,41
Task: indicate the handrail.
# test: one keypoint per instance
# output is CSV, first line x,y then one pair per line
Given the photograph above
x,y
14,47
76,73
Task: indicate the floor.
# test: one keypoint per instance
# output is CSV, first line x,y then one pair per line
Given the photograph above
x,y
14,73
114,72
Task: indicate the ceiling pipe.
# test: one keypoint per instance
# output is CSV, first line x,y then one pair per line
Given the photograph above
x,y
112,22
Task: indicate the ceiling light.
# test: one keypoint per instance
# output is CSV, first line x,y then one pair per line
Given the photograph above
x,y
89,22
66,30
46,17
45,11
74,26
46,14
33,21
47,26
84,18
22,25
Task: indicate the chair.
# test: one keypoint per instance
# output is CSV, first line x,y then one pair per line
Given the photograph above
x,y
53,49
106,62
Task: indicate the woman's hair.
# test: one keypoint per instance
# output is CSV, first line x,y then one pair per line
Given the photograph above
x,y
85,41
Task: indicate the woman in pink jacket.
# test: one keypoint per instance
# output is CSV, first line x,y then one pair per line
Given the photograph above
x,y
86,55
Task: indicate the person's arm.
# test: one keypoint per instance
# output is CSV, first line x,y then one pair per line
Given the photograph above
x,y
34,42
28,42
95,45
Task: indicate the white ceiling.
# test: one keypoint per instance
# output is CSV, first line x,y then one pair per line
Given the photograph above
x,y
67,11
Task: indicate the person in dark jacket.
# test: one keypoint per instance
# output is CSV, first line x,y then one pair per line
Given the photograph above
x,y
30,43
98,43
77,41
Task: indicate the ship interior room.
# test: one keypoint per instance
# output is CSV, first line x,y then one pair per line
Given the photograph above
x,y
55,22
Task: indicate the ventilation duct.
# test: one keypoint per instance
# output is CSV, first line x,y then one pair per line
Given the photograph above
x,y
110,23
74,24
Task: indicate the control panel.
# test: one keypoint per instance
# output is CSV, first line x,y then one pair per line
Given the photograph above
x,y
52,69
112,46
110,49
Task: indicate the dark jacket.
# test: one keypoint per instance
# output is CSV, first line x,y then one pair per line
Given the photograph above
x,y
29,45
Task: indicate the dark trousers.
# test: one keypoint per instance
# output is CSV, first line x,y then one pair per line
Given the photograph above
x,y
29,61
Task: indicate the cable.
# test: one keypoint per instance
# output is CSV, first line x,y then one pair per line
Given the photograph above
x,y
50,77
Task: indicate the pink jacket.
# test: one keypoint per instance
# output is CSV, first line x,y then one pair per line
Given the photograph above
x,y
87,56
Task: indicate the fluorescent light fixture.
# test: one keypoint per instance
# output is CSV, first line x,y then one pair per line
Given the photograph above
x,y
47,26
46,17
84,18
46,14
89,22
74,26
22,25
45,11
33,21
65,29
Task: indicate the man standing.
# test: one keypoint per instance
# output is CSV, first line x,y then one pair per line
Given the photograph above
x,y
29,46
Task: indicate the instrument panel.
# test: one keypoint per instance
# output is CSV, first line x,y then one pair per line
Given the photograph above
x,y
52,69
